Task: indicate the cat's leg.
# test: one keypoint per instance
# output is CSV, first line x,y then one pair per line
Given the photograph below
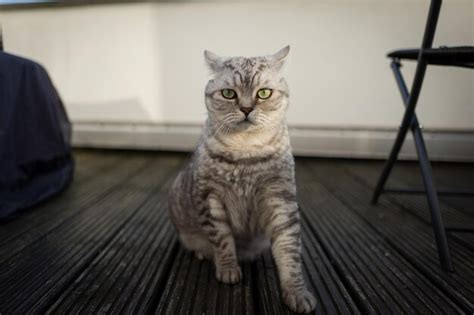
x,y
283,228
215,224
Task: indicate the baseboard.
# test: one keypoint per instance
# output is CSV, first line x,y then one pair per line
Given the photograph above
x,y
306,141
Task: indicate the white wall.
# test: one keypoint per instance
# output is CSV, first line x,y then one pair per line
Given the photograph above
x,y
103,60
143,62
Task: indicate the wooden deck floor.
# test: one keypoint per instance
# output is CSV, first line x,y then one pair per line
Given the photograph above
x,y
106,245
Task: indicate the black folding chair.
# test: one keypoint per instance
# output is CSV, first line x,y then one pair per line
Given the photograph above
x,y
426,55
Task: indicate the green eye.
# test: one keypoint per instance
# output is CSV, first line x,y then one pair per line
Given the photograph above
x,y
264,93
228,93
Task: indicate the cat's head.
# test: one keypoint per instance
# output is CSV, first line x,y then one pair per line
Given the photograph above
x,y
246,93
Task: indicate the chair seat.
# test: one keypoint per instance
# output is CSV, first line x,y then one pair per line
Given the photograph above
x,y
462,56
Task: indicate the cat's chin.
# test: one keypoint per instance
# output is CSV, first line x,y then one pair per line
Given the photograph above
x,y
245,124
248,126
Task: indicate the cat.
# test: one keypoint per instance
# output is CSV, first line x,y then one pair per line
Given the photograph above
x,y
237,196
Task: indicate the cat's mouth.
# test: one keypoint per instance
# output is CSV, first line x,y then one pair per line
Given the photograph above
x,y
246,121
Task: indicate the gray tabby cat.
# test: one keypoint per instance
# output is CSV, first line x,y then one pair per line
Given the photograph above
x,y
237,196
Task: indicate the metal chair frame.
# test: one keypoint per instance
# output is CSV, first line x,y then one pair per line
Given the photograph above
x,y
410,122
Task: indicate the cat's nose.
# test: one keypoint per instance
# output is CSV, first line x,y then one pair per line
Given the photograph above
x,y
246,110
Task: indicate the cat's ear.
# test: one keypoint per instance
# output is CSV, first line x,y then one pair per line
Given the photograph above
x,y
277,60
214,62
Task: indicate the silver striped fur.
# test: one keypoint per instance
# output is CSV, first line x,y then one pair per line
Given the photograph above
x,y
237,196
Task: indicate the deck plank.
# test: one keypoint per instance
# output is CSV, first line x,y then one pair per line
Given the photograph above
x,y
459,177
193,289
48,268
363,257
408,175
126,262
407,234
85,191
106,245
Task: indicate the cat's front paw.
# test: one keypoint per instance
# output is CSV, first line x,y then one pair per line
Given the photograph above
x,y
300,301
229,275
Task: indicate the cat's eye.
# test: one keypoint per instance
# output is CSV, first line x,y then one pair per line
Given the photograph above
x,y
264,93
228,93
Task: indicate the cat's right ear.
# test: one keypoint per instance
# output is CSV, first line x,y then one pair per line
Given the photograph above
x,y
214,62
278,59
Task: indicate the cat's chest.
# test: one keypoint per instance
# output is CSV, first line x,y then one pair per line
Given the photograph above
x,y
241,193
238,180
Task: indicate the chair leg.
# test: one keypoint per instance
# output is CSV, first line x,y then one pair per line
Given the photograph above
x,y
425,166
432,196
407,121
402,132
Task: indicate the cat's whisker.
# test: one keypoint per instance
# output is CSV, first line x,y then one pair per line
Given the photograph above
x,y
266,121
224,124
217,130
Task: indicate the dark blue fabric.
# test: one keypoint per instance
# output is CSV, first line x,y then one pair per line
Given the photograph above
x,y
35,136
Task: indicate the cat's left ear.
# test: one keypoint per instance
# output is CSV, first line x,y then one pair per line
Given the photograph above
x,y
278,59
213,61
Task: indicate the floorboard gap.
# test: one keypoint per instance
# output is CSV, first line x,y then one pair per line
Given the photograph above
x,y
363,307
161,284
412,261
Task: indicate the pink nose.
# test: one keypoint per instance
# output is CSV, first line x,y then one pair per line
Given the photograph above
x,y
246,110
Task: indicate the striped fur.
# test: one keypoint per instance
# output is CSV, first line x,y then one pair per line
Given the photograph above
x,y
237,195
